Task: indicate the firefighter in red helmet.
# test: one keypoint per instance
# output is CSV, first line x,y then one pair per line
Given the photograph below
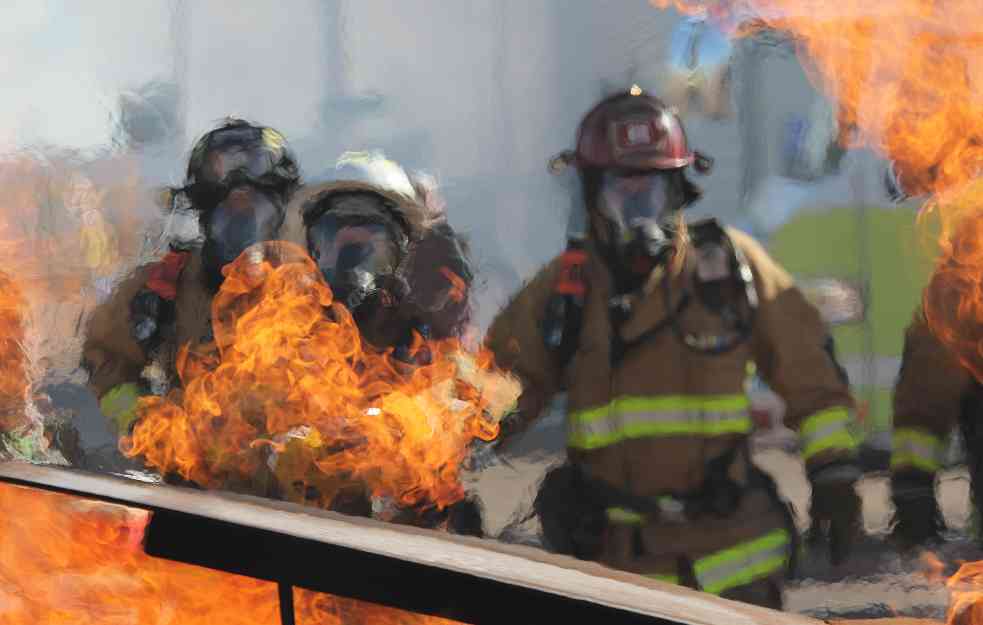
x,y
659,320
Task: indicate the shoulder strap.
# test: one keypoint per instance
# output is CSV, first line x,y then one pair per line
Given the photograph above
x,y
564,313
165,274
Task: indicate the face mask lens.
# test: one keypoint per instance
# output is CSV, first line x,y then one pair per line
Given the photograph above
x,y
630,200
244,217
344,251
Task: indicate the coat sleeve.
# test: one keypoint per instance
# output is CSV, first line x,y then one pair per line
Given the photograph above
x,y
110,354
793,350
928,399
516,341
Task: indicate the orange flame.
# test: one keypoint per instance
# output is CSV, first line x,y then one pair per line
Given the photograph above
x,y
14,381
458,287
953,298
313,608
966,588
55,241
905,74
907,77
70,560
288,388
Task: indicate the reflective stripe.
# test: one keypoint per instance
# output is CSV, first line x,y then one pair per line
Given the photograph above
x,y
828,429
624,516
119,404
917,448
640,417
743,563
667,578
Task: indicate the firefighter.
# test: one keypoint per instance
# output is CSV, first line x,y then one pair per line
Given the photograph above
x,y
240,177
659,321
97,238
384,246
934,394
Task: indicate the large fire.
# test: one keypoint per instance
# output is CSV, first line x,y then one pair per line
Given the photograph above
x,y
288,394
51,216
69,560
14,380
906,75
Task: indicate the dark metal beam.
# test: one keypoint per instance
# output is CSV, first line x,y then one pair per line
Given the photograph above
x,y
354,574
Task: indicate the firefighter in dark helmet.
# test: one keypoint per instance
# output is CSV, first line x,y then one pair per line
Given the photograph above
x,y
240,177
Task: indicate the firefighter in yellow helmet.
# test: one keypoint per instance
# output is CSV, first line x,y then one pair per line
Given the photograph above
x,y
649,323
390,256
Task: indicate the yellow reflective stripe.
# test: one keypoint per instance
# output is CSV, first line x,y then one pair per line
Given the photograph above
x,y
667,578
912,447
624,516
664,403
828,429
119,404
743,563
639,417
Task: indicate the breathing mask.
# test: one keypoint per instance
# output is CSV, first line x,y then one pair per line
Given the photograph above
x,y
635,208
357,244
246,215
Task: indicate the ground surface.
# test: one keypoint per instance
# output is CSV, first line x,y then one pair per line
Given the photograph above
x,y
875,583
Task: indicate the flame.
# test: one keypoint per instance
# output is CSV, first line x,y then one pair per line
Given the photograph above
x,y
288,395
905,74
458,287
14,380
966,589
312,608
953,298
54,243
70,560
933,568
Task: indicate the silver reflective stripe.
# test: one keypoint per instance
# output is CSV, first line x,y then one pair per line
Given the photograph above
x,y
918,449
669,422
628,418
744,563
823,432
827,429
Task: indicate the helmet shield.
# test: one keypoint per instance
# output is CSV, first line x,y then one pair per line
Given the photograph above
x,y
630,199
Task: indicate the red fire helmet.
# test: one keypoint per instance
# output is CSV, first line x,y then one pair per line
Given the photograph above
x,y
632,130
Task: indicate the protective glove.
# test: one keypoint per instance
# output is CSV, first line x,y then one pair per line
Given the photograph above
x,y
572,522
836,509
917,517
466,517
